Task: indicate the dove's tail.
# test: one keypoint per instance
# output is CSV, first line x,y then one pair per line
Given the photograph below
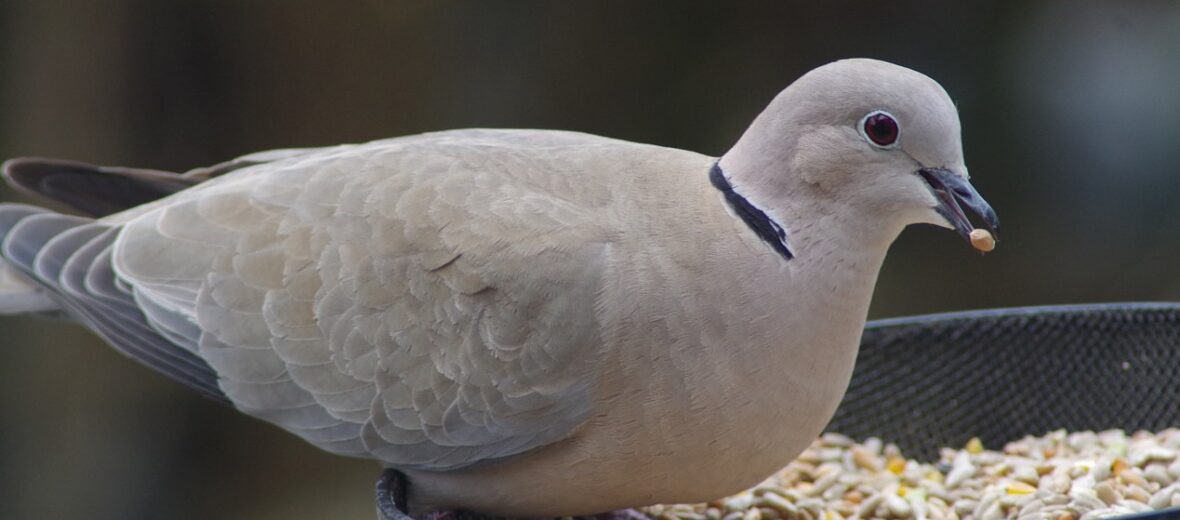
x,y
18,296
19,291
52,262
87,189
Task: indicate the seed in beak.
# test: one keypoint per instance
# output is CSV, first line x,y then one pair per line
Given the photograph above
x,y
982,240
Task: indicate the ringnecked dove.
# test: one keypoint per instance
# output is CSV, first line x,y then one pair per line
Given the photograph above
x,y
519,322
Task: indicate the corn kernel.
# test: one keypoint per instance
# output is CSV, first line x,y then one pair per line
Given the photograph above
x,y
974,446
1118,466
896,465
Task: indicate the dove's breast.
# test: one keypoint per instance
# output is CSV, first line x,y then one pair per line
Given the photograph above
x,y
717,367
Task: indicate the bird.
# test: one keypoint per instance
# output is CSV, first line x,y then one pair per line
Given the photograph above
x,y
521,323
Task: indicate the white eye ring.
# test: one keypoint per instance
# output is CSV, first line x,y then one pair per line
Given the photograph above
x,y
880,129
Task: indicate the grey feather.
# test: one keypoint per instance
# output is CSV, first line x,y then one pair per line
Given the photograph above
x,y
59,252
92,190
356,278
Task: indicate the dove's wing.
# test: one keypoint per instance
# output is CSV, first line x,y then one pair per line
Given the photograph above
x,y
428,300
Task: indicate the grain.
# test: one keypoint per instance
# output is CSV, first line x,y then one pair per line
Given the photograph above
x,y
1060,475
982,240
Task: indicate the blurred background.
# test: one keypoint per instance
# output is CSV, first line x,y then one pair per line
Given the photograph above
x,y
1071,124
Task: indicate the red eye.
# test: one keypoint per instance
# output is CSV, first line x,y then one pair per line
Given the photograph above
x,y
881,128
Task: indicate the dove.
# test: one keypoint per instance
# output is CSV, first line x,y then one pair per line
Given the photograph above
x,y
515,322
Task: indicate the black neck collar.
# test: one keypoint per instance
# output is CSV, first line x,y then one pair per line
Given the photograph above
x,y
761,223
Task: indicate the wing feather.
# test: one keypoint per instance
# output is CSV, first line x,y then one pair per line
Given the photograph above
x,y
428,301
67,257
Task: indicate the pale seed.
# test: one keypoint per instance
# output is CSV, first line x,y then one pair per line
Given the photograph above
x,y
1107,494
1162,498
898,506
982,240
866,459
779,503
1157,473
1137,494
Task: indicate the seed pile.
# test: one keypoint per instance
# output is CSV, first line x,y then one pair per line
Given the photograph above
x,y
1060,476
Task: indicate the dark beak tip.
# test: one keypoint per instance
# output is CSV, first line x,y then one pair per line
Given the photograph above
x,y
957,194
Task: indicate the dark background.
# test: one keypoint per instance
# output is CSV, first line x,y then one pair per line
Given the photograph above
x,y
1071,123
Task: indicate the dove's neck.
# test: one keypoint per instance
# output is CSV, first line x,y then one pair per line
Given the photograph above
x,y
820,296
797,218
822,293
837,247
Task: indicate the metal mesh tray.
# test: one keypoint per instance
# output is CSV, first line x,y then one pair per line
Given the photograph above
x,y
938,380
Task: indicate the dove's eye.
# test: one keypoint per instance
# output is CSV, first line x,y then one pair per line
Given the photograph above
x,y
880,128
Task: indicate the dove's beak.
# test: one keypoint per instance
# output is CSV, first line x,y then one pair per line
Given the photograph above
x,y
954,192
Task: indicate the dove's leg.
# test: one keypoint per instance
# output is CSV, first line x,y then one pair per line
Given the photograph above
x,y
391,494
391,498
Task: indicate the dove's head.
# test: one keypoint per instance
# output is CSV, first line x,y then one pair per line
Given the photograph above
x,y
870,141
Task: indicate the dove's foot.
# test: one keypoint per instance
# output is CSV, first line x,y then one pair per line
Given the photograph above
x,y
391,501
391,504
391,496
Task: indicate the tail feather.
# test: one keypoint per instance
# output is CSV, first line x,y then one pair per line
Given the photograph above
x,y
28,237
61,262
11,214
19,296
88,189
55,262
